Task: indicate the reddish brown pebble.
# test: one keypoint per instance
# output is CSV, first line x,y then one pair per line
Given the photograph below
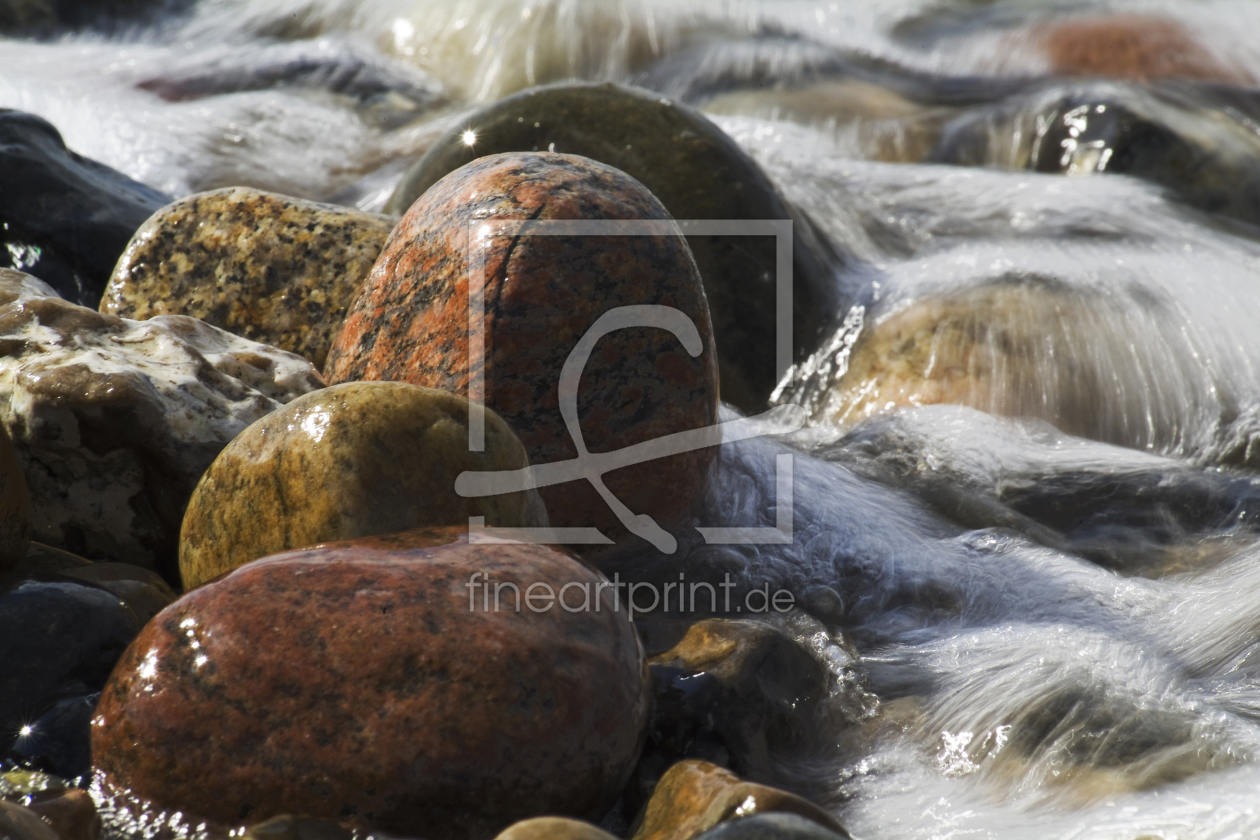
x,y
542,294
1138,47
356,684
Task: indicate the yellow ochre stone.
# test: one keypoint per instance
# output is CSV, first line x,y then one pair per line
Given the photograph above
x,y
267,267
352,460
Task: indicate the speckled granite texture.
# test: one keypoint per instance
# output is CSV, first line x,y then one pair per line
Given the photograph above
x,y
542,294
348,461
356,684
268,267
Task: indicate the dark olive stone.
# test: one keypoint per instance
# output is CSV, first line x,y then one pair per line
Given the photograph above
x,y
697,172
65,218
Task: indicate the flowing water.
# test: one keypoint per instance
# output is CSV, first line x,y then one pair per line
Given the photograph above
x,y
1028,472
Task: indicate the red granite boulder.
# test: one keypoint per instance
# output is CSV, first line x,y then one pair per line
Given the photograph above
x,y
542,294
370,684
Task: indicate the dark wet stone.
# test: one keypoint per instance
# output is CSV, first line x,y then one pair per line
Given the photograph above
x,y
114,421
697,172
64,218
542,295
351,460
15,506
695,796
356,684
274,269
58,642
743,695
58,739
46,18
1160,134
772,827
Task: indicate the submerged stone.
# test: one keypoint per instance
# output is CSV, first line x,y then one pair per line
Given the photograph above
x,y
553,828
697,172
375,687
114,421
542,295
267,267
352,460
63,217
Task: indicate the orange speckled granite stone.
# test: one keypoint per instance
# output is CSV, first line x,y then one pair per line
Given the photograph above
x,y
410,323
354,683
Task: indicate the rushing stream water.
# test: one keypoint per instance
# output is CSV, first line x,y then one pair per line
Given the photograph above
x,y
1029,467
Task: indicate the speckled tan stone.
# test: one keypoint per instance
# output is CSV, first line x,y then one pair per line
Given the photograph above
x,y
114,421
542,295
695,795
268,267
353,460
363,685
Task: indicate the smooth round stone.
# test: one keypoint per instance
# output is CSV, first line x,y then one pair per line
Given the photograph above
x,y
19,823
695,796
373,687
353,460
772,827
698,172
268,267
542,295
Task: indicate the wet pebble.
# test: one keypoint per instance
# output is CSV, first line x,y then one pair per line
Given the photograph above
x,y
553,828
267,267
542,294
695,796
352,460
368,684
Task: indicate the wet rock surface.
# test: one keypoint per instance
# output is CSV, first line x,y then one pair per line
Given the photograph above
x,y
15,507
46,18
114,421
355,683
274,269
70,811
542,294
352,460
697,172
695,796
59,640
63,217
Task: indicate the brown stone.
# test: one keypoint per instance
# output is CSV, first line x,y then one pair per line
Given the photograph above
x,y
71,813
542,294
353,460
268,267
15,506
18,823
694,796
1142,48
553,828
356,684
